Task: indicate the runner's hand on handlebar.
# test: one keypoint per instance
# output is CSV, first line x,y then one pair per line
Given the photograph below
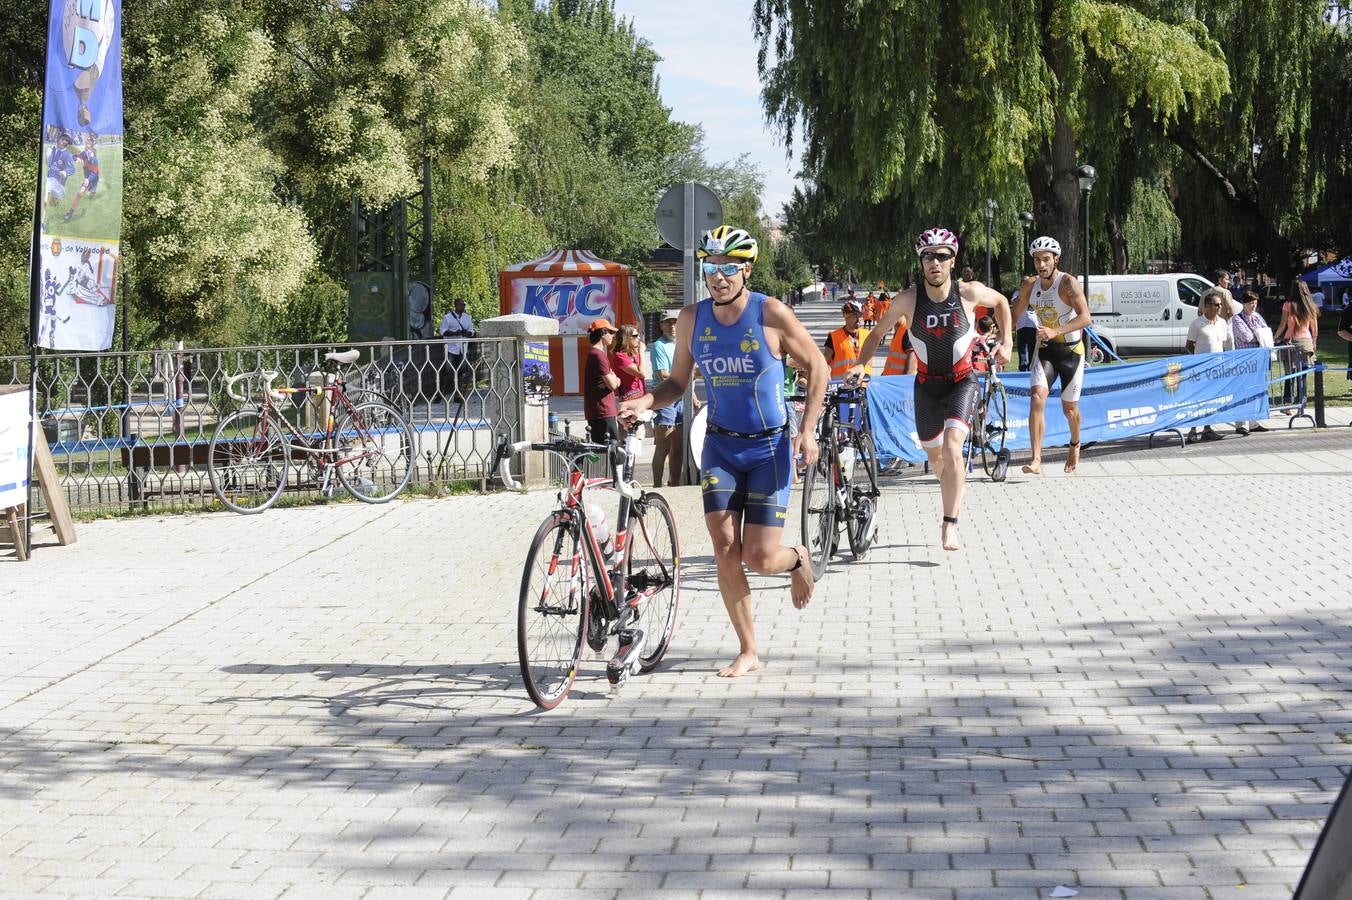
x,y
641,417
630,410
1003,352
854,372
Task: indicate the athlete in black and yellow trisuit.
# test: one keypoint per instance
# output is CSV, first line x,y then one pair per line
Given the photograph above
x,y
1062,314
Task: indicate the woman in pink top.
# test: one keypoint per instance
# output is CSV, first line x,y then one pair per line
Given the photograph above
x,y
628,363
1300,320
1299,326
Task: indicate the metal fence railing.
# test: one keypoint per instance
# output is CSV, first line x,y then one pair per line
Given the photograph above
x,y
130,430
1288,383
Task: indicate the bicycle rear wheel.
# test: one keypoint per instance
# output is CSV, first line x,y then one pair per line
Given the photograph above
x,y
248,460
861,526
551,620
655,572
819,510
376,451
995,428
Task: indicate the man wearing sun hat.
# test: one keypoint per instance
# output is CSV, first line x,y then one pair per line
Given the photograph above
x,y
599,382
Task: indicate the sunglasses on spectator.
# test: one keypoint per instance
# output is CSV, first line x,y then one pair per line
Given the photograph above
x,y
1213,303
728,269
935,257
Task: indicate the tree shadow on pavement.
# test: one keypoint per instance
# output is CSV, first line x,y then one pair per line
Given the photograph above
x,y
410,687
1067,755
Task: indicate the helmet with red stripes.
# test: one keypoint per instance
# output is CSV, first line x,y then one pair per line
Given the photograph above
x,y
935,238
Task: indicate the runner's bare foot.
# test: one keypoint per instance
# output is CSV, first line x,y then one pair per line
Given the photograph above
x,y
949,534
802,582
1033,467
1073,458
745,662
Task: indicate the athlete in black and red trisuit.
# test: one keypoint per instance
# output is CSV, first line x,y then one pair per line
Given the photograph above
x,y
943,333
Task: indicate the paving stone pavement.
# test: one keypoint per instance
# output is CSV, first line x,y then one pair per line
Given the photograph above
x,y
1131,682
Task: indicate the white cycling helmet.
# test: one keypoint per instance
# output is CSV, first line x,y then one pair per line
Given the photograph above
x,y
1044,244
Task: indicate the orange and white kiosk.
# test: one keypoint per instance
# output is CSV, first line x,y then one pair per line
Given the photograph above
x,y
574,287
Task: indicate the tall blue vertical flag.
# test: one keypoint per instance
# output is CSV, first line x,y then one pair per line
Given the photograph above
x,y
78,226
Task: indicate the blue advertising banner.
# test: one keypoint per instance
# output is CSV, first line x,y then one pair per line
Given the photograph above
x,y
80,190
1117,401
535,370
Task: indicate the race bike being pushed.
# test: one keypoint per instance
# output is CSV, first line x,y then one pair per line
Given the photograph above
x,y
583,585
840,491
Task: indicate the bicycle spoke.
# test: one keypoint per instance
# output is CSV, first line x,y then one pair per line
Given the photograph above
x,y
247,461
655,571
377,452
552,612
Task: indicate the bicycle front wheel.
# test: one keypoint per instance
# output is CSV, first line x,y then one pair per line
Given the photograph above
x,y
248,460
994,457
376,451
819,510
972,448
864,495
655,573
551,620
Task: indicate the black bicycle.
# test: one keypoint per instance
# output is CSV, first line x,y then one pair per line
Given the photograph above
x,y
989,424
840,491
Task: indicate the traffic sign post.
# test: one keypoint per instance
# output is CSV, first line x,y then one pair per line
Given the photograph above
x,y
685,211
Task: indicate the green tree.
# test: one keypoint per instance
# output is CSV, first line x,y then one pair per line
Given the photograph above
x,y
940,107
602,144
1268,172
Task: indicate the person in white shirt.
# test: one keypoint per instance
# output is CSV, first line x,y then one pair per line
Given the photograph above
x,y
1209,333
1318,297
457,325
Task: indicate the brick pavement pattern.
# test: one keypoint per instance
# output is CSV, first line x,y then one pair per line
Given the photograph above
x,y
1131,681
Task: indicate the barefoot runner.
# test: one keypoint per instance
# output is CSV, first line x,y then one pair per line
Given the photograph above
x,y
942,319
1062,314
739,340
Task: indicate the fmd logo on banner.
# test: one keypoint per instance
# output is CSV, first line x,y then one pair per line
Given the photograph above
x,y
80,192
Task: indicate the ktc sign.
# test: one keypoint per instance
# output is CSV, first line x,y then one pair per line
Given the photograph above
x,y
575,301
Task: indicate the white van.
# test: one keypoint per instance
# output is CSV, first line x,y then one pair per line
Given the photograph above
x,y
1144,314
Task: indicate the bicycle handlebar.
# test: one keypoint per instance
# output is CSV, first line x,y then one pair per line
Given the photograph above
x,y
836,387
267,375
569,449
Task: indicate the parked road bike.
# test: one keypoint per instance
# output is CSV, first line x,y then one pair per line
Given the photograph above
x,y
366,444
840,491
989,423
581,585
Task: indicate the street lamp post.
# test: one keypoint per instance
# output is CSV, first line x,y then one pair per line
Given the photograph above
x,y
1026,220
990,219
1085,175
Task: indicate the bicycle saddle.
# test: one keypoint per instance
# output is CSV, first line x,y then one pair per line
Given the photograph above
x,y
343,358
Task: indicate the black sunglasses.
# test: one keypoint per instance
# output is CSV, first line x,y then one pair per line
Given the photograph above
x,y
936,257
